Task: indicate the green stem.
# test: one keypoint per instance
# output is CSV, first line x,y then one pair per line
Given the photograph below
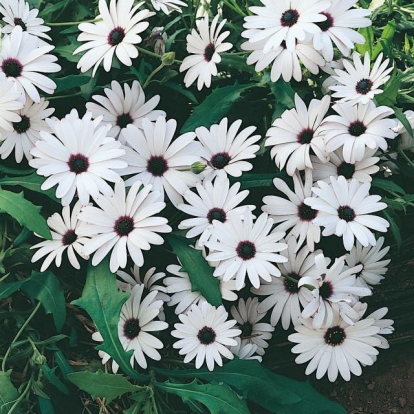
x,y
21,397
147,52
64,96
404,155
154,72
73,23
5,277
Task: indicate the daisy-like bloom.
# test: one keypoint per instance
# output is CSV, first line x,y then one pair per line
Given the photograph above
x,y
226,149
358,83
337,28
124,224
205,334
296,133
21,59
66,237
373,267
357,127
385,326
344,210
167,6
286,63
336,166
245,350
336,348
116,33
26,131
154,159
205,48
121,108
294,214
213,202
283,293
135,324
248,319
284,21
9,104
17,13
334,289
79,157
246,248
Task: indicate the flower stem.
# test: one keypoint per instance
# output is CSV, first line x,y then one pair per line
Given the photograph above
x,y
22,395
73,23
151,75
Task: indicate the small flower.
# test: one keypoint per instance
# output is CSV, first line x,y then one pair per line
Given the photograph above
x,y
204,334
205,47
116,33
245,350
9,104
167,6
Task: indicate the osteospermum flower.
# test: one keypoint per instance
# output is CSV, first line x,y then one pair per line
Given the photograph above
x,y
26,132
205,47
167,6
116,33
226,149
245,350
357,127
124,224
154,158
337,28
247,249
358,83
121,108
213,202
65,238
9,104
204,334
344,210
79,157
18,13
22,59
296,133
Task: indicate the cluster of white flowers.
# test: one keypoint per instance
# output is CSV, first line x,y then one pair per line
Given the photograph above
x,y
116,167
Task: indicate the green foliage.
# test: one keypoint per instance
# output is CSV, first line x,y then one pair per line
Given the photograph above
x,y
49,374
8,393
70,82
253,180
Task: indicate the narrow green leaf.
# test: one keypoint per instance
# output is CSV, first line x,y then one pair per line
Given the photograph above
x,y
179,88
45,406
391,90
383,44
70,82
7,289
285,97
8,393
368,33
252,180
99,384
236,62
387,185
46,11
199,271
63,364
395,230
49,374
219,399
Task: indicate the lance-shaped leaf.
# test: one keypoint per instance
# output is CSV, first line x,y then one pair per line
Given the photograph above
x,y
8,393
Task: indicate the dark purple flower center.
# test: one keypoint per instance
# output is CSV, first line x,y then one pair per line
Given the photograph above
x,y
69,237
124,120
246,250
326,290
209,52
78,163
131,328
206,335
327,24
19,22
23,125
116,36
357,128
346,169
364,86
346,213
247,329
289,18
305,136
157,165
12,67
220,160
306,213
290,285
335,336
216,214
124,225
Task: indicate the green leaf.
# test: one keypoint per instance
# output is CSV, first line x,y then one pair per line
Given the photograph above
x,y
46,11
252,180
395,230
391,90
179,88
7,289
215,106
199,271
236,62
99,384
368,33
63,364
285,97
403,119
45,405
70,82
49,374
387,185
8,393
102,300
219,399
45,287
384,42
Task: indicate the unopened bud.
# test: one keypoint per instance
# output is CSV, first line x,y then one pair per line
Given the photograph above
x,y
198,167
168,58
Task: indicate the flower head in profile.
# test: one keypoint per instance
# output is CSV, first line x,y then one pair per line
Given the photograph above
x,y
9,104
205,47
167,6
116,34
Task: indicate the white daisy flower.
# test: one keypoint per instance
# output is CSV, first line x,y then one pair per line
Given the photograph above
x,y
79,157
358,83
213,202
334,289
204,334
283,293
373,267
205,48
121,108
337,28
116,33
167,6
357,127
336,166
245,248
155,159
226,149
245,350
294,214
385,326
124,224
66,237
17,13
344,210
284,21
336,348
26,131
21,60
248,319
296,133
9,104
